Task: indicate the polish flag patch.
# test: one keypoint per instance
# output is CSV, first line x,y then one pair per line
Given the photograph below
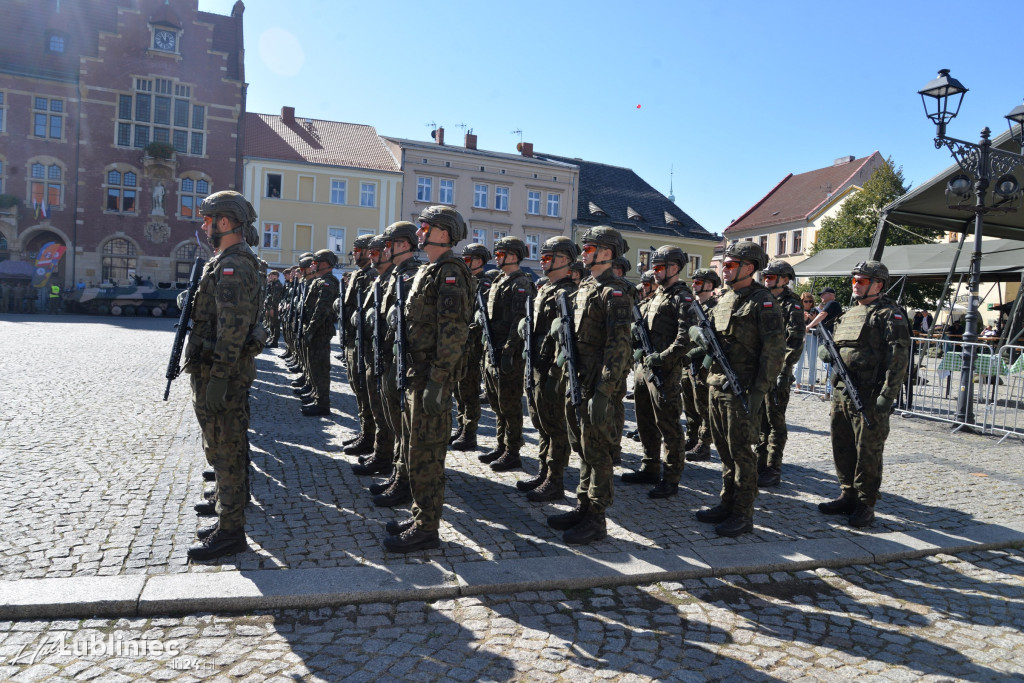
x,y
616,292
521,290
688,299
228,271
767,304
449,280
897,316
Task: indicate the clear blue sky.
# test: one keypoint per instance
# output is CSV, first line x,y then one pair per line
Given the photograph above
x,y
734,95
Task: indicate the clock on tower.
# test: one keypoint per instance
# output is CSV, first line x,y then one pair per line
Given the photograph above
x,y
165,40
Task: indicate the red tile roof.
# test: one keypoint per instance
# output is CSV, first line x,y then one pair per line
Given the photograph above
x,y
332,143
800,196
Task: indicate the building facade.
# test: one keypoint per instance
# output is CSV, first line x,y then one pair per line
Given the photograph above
x,y
118,117
317,184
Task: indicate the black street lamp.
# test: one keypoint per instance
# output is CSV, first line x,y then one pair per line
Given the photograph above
x,y
980,162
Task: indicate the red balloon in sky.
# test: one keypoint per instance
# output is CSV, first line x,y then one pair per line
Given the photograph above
x,y
638,106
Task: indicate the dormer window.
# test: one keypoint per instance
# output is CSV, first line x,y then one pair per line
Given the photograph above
x,y
55,43
165,40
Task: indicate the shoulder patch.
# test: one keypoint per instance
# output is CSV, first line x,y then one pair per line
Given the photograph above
x,y
450,279
616,292
228,271
767,304
897,316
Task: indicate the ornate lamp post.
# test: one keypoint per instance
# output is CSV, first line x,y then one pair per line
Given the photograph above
x,y
980,162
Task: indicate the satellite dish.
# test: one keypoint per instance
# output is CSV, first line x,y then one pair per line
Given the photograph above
x,y
433,134
519,147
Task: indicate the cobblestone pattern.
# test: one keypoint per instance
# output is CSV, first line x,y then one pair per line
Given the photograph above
x,y
98,475
941,618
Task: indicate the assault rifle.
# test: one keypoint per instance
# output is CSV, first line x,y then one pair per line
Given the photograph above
x,y
568,343
849,387
378,361
360,361
400,340
488,340
713,346
528,341
341,316
173,365
653,375
300,319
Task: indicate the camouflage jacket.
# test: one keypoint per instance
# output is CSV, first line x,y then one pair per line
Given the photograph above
x,y
874,341
669,318
506,306
370,315
224,311
546,316
437,314
407,271
749,324
275,292
359,281
602,316
318,310
796,329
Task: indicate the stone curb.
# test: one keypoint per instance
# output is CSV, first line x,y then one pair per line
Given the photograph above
x,y
245,591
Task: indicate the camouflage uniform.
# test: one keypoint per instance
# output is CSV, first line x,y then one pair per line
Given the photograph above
x,y
359,282
467,391
506,306
874,342
695,385
384,433
392,400
271,309
318,329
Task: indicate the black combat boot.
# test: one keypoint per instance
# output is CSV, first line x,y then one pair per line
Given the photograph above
x,y
772,476
509,461
364,446
306,399
382,486
525,485
465,442
843,505
664,489
714,515
456,435
209,474
300,381
398,493
379,464
567,520
202,533
735,526
863,516
699,453
491,456
591,528
411,540
218,544
210,494
317,409
304,389
351,440
645,476
394,527
205,508
553,488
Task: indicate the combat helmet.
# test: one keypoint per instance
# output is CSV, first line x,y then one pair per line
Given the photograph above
x,y
669,254
326,256
512,245
563,244
476,250
402,230
578,267
780,268
446,218
236,207
647,277
745,250
708,275
305,259
605,236
363,242
623,263
873,269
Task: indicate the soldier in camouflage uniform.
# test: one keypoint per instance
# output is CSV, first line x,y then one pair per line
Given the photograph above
x,y
506,306
271,307
577,271
400,246
602,315
301,384
621,267
668,320
749,326
223,344
318,329
285,317
437,315
359,282
467,391
547,404
772,440
695,377
873,338
384,434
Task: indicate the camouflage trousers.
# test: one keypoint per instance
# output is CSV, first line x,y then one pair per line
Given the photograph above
x,y
428,446
596,442
774,433
505,394
857,448
393,413
383,435
657,420
318,358
225,440
467,391
695,405
547,411
733,430
367,425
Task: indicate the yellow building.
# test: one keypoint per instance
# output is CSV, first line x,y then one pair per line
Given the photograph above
x,y
317,184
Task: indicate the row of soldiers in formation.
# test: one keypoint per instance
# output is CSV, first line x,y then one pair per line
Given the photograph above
x,y
416,337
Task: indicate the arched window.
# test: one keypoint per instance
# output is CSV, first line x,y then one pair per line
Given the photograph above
x,y
192,193
184,256
46,186
121,189
118,258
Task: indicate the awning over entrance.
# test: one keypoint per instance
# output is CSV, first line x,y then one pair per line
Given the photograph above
x,y
1002,259
12,269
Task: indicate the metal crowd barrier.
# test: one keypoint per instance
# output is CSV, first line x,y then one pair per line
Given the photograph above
x,y
810,373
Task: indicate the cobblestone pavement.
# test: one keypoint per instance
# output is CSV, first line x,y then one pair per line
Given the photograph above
x,y
940,618
98,475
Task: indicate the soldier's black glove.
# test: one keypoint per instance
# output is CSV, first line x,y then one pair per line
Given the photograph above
x,y
432,398
697,338
824,355
755,399
550,387
216,395
883,404
507,361
597,408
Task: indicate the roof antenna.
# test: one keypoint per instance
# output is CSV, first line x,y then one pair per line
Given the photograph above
x,y
671,172
519,132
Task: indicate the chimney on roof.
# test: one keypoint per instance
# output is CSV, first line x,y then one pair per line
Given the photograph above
x,y
470,141
438,135
843,160
288,115
525,148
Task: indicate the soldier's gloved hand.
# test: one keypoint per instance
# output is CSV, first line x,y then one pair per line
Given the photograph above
x,y
597,408
433,394
507,361
521,328
653,360
182,298
783,381
695,355
560,358
394,350
555,332
755,399
550,387
354,320
216,395
392,317
824,355
478,318
883,404
371,323
337,305
638,355
697,338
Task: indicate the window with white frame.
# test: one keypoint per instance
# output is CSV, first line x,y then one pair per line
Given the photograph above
x,y
339,189
46,186
446,191
798,241
424,188
368,194
480,236
190,195
781,243
161,110
273,185
271,235
55,43
336,240
479,196
643,260
554,202
533,203
501,198
533,242
498,234
762,242
694,264
121,190
47,118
